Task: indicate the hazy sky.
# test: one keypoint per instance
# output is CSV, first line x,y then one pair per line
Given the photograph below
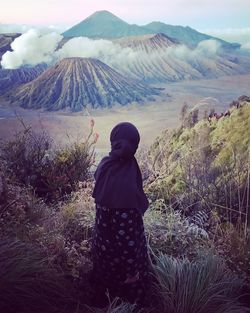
x,y
195,13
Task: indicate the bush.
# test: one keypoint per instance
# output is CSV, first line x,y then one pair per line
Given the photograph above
x,y
170,232
233,243
69,232
30,159
21,212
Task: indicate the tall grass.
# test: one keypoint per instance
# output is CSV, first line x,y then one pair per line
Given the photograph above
x,y
206,286
27,282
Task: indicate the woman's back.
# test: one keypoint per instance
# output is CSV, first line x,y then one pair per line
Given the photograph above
x,y
119,249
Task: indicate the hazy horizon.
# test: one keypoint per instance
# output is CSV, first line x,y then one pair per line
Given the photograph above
x,y
210,14
229,21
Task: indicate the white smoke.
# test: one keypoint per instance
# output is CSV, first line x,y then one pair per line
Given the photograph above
x,y
245,47
31,48
105,50
240,35
117,56
208,48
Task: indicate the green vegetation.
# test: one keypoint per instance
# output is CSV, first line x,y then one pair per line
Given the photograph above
x,y
206,165
197,226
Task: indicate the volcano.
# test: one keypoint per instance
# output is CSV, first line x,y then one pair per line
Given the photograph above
x,y
77,83
148,43
160,58
103,24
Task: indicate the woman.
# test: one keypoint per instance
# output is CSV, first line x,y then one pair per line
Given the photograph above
x,y
119,249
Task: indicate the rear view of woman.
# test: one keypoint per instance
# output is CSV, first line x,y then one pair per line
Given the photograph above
x,y
119,249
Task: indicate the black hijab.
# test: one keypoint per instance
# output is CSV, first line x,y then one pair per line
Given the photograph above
x,y
118,176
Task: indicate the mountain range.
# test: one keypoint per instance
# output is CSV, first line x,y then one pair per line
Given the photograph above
x,y
142,55
103,24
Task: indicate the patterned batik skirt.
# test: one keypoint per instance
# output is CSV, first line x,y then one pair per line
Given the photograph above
x,y
119,251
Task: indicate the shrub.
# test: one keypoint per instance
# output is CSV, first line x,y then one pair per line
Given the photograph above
x,y
21,212
169,231
30,159
67,233
233,243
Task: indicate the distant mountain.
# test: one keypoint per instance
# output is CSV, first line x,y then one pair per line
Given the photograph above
x,y
159,58
11,78
186,35
76,83
104,24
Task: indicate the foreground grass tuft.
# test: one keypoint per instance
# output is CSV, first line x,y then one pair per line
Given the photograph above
x,y
28,283
198,287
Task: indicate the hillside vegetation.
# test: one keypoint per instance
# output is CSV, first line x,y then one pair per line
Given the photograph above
x,y
205,163
197,225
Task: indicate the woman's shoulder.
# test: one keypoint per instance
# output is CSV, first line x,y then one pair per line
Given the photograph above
x,y
103,161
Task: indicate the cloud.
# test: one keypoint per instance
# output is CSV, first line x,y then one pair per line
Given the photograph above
x,y
205,49
23,28
105,50
208,47
124,58
240,35
246,47
13,28
31,48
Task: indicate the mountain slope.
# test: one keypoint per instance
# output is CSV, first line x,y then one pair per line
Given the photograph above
x,y
159,58
148,43
186,35
210,156
76,83
10,78
104,24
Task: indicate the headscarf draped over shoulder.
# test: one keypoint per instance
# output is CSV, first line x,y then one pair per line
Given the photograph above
x,y
118,176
